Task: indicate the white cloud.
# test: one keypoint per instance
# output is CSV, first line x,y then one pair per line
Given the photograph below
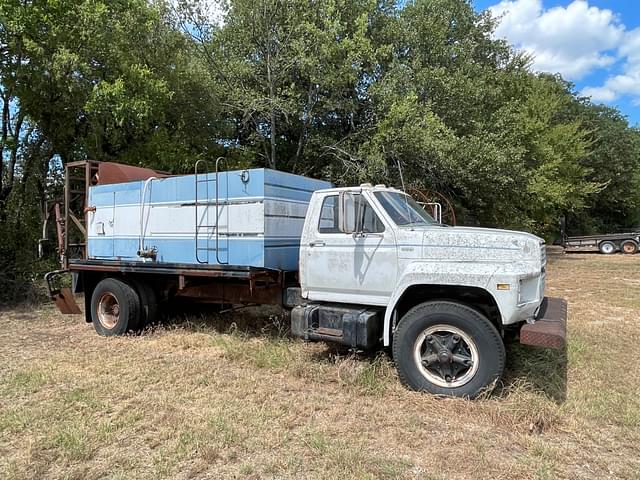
x,y
600,94
572,40
575,41
630,47
627,82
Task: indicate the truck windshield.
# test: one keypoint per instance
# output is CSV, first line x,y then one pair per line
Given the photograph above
x,y
403,209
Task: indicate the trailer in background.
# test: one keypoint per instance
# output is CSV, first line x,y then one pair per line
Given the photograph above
x,y
628,243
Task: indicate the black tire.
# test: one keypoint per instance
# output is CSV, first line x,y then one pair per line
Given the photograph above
x,y
607,247
107,320
465,323
630,247
148,302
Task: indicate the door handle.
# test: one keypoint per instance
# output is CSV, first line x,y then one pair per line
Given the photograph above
x,y
317,243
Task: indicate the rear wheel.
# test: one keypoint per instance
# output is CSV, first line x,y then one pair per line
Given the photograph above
x,y
629,247
148,302
607,247
446,348
115,307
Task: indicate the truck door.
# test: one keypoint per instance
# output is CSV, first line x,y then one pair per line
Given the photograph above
x,y
348,268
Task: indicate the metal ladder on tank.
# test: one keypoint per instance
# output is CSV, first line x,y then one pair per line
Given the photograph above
x,y
205,225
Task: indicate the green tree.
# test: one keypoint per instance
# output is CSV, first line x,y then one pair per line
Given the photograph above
x,y
295,74
464,115
92,79
614,162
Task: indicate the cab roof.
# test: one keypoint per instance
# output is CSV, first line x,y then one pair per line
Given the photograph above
x,y
361,187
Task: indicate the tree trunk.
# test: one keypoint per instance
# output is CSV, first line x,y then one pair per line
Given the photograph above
x,y
305,121
31,166
43,172
303,134
13,157
5,133
272,119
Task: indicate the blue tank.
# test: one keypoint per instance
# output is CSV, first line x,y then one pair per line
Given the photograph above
x,y
250,218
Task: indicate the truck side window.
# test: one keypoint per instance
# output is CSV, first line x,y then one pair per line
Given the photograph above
x,y
330,210
370,221
329,215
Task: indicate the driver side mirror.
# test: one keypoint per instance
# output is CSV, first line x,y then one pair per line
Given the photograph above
x,y
350,215
434,209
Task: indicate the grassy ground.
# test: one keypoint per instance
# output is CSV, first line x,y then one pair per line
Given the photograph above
x,y
233,397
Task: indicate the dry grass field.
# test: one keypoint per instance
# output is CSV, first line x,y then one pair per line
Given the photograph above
x,y
232,396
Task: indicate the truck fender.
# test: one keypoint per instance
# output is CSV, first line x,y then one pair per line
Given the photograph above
x,y
436,273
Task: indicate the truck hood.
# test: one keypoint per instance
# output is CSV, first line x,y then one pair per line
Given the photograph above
x,y
465,244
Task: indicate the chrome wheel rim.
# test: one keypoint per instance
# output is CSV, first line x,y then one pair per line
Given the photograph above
x,y
607,248
446,356
108,310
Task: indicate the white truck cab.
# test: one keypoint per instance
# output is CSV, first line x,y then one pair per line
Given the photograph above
x,y
375,266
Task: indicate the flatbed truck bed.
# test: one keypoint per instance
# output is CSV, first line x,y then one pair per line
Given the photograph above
x,y
217,284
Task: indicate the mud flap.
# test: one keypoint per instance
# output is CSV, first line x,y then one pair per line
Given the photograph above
x,y
62,297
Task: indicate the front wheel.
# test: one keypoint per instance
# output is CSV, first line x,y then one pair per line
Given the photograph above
x,y
447,348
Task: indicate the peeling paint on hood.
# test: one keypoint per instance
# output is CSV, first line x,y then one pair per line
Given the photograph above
x,y
466,244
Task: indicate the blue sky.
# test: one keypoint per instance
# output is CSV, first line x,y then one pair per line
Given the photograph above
x,y
593,43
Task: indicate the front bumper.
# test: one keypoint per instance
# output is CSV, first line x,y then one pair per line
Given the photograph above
x,y
550,327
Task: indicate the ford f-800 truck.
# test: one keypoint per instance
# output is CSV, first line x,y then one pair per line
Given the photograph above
x,y
364,266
